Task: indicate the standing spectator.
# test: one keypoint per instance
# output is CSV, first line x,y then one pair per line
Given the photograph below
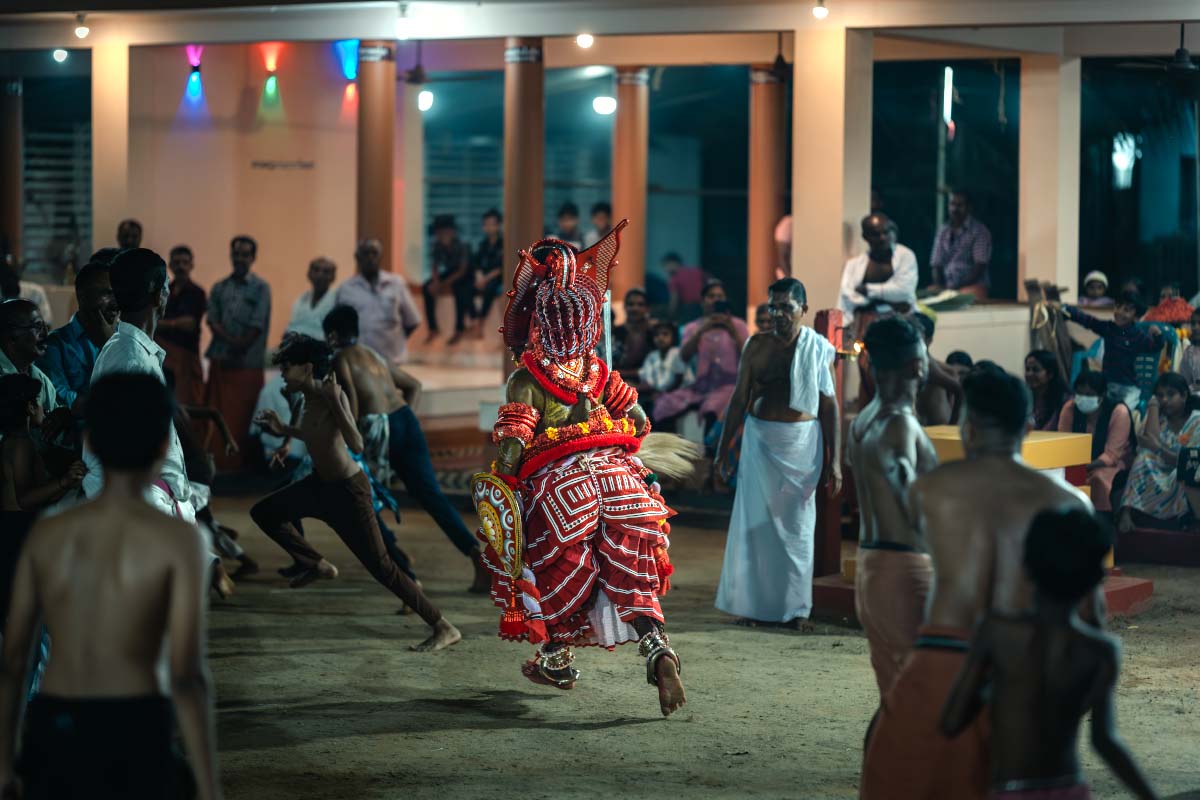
x,y
387,315
601,224
762,318
631,339
962,250
239,315
568,225
686,286
72,349
880,280
129,234
715,342
178,332
1111,426
313,304
1095,291
1124,341
488,265
450,274
1048,387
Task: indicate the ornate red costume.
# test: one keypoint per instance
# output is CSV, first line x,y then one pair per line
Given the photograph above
x,y
575,525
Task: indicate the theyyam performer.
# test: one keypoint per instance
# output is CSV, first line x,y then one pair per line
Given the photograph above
x,y
575,524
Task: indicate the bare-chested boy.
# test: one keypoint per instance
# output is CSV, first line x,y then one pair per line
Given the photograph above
x,y
974,514
382,397
337,492
1046,668
888,451
110,579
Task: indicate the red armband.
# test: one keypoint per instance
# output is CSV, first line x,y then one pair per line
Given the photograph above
x,y
619,396
516,421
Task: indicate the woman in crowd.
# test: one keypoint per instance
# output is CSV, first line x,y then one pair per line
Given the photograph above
x,y
1154,493
1111,426
1045,382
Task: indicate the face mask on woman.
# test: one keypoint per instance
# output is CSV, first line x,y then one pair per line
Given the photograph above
x,y
1087,404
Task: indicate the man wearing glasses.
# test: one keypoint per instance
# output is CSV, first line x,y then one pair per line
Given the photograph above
x,y
70,351
22,341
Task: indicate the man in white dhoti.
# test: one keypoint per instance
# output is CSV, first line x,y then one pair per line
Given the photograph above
x,y
791,446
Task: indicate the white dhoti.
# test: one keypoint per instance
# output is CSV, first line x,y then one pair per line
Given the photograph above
x,y
768,569
376,432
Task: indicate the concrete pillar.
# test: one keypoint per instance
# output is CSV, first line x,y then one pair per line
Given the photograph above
x,y
631,146
524,145
376,145
408,249
831,154
11,167
110,142
1048,215
766,185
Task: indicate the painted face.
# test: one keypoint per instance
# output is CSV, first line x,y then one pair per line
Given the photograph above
x,y
1036,376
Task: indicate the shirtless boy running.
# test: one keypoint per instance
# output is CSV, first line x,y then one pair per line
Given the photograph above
x,y
888,451
337,492
1046,669
110,579
382,397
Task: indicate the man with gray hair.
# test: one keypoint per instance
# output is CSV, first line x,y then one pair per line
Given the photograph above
x,y
387,315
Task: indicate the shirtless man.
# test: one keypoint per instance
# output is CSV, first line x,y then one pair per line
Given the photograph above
x,y
337,492
1022,660
791,445
975,515
888,451
110,579
382,397
940,399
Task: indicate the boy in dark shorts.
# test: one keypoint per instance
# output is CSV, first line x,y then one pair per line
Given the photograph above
x,y
337,492
1046,669
111,579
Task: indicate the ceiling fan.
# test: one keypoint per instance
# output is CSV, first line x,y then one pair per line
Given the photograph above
x,y
417,76
1179,70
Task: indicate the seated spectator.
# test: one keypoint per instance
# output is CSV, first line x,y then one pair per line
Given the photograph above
x,y
1111,426
23,335
1095,291
449,274
715,343
1189,364
568,225
631,339
962,251
25,483
1048,387
663,369
1123,342
1169,291
958,364
487,264
601,224
686,287
762,318
1154,494
13,288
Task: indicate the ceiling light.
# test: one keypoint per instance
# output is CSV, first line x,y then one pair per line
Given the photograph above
x,y
596,71
425,100
585,40
604,105
60,55
820,11
403,24
81,28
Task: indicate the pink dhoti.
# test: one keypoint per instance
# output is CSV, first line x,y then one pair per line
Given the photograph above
x,y
890,588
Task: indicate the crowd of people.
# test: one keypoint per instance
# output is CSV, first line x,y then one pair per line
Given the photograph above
x,y
94,456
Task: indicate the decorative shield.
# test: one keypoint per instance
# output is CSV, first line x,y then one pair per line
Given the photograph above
x,y
499,513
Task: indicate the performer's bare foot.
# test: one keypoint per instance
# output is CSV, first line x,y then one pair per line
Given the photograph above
x,y
322,571
670,687
444,635
221,582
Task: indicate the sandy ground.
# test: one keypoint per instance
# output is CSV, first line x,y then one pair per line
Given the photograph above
x,y
319,696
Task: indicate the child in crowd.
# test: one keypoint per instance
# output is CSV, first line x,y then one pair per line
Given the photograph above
x,y
958,364
664,369
1110,424
1048,654
25,484
1095,291
1189,365
1154,493
1169,291
1123,342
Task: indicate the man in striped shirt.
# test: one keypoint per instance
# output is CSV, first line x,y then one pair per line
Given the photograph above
x,y
962,250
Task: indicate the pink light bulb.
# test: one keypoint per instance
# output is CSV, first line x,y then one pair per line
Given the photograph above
x,y
194,51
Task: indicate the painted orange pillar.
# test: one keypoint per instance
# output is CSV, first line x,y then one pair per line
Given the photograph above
x,y
376,144
768,160
631,145
10,167
524,145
